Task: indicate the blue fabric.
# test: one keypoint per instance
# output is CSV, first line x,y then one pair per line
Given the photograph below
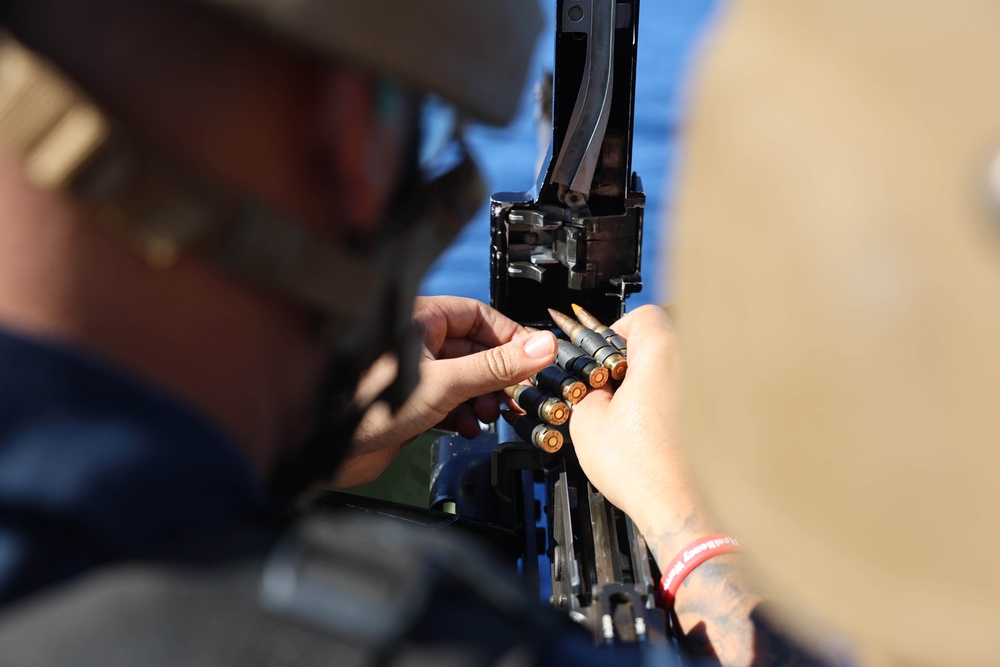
x,y
96,467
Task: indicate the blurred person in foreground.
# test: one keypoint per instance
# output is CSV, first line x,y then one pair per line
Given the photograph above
x,y
205,254
214,222
837,286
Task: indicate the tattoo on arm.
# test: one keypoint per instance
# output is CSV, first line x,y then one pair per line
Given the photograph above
x,y
722,618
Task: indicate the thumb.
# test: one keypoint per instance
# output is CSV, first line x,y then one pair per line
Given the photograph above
x,y
498,367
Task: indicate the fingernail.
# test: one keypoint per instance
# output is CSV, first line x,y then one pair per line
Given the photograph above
x,y
540,345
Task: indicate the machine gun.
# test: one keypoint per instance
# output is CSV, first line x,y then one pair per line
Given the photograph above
x,y
576,238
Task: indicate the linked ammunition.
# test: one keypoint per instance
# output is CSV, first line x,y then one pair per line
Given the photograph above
x,y
592,343
591,322
542,436
574,360
539,404
558,382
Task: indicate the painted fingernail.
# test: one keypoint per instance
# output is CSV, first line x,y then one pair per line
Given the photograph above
x,y
540,345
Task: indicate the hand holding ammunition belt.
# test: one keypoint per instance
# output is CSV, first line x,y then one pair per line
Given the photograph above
x,y
595,355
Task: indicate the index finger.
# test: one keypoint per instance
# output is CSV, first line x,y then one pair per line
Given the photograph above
x,y
445,318
647,328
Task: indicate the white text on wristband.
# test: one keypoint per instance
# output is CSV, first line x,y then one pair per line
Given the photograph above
x,y
691,557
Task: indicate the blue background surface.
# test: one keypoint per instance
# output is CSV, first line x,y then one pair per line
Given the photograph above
x,y
668,35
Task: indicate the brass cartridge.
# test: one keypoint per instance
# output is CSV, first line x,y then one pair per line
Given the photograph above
x,y
539,404
591,322
542,436
592,343
574,360
558,382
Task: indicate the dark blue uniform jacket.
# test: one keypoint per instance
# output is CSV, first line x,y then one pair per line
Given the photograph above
x,y
99,470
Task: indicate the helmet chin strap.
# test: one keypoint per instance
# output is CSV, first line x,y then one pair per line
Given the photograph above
x,y
384,324
163,210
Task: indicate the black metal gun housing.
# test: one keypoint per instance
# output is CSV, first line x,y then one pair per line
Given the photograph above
x,y
577,237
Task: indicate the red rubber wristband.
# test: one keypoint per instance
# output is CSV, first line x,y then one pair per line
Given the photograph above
x,y
688,559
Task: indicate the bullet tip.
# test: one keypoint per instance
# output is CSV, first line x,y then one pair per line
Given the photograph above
x,y
564,322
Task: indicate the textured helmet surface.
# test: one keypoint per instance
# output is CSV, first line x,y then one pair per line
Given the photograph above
x,y
473,53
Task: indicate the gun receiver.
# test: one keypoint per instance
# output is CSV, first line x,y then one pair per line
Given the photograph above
x,y
576,239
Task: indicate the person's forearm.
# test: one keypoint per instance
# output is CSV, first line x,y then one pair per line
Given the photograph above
x,y
714,603
720,611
